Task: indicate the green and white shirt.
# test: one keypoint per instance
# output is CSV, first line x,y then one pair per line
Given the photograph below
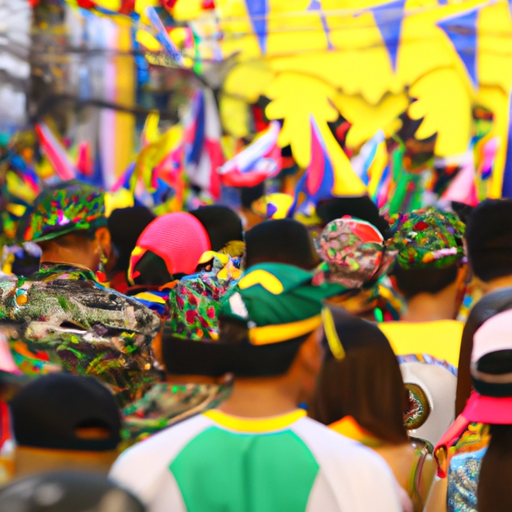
x,y
220,463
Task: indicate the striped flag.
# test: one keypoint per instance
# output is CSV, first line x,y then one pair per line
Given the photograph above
x,y
259,161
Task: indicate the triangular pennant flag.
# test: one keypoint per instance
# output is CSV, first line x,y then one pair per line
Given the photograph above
x,y
462,32
329,174
258,11
316,5
259,161
506,187
55,152
388,18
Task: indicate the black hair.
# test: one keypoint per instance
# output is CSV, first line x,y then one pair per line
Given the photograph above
x,y
366,384
413,281
232,353
151,270
221,223
492,304
125,226
280,241
361,207
250,194
489,239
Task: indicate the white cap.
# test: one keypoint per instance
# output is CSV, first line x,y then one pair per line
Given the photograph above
x,y
495,334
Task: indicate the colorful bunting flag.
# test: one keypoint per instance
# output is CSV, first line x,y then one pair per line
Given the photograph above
x,y
259,161
328,175
462,31
462,188
316,5
258,11
506,187
375,169
55,152
162,36
202,143
84,161
388,18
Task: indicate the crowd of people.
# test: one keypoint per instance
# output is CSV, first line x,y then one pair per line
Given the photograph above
x,y
213,360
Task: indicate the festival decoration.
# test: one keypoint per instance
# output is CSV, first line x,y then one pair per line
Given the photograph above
x,y
334,81
365,62
256,163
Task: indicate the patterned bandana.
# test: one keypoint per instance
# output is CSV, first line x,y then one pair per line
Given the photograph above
x,y
427,238
67,207
354,253
195,301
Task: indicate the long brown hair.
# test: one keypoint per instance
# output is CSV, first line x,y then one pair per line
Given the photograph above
x,y
490,305
365,384
494,491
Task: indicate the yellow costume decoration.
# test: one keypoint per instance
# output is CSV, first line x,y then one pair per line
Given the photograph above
x,y
439,339
323,58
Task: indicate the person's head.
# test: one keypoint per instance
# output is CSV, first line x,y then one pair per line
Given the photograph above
x,y
268,330
170,246
68,222
361,207
491,403
489,240
222,224
67,491
483,310
430,252
354,252
62,421
360,378
280,241
125,226
195,304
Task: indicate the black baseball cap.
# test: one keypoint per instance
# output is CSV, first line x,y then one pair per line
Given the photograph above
x,y
67,492
53,411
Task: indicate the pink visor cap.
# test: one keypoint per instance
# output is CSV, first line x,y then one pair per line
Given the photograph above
x,y
491,402
178,238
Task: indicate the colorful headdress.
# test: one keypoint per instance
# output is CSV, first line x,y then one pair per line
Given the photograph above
x,y
354,252
427,238
67,207
195,306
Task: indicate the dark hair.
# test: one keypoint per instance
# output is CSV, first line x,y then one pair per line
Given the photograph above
x,y
361,207
232,353
489,239
413,281
221,223
492,304
125,226
250,194
494,491
280,241
151,270
366,384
